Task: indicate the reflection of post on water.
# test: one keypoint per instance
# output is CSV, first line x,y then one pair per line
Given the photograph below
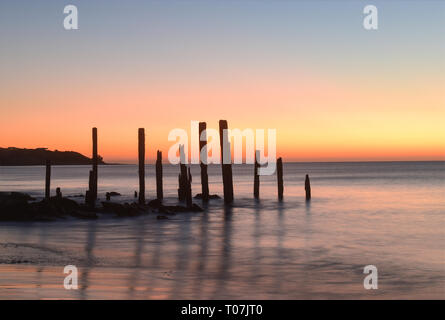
x,y
225,259
156,262
308,243
256,267
281,235
182,256
201,255
39,270
139,248
89,259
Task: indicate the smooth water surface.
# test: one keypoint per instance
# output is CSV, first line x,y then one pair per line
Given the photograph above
x,y
387,214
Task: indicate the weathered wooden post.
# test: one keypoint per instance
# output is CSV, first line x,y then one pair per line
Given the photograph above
x,y
90,181
58,193
203,161
256,178
179,187
280,178
189,189
89,196
182,191
226,161
307,187
141,152
159,187
94,181
48,180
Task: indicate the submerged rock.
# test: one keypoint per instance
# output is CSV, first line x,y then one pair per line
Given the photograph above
x,y
14,206
84,215
76,196
123,210
177,209
211,196
156,203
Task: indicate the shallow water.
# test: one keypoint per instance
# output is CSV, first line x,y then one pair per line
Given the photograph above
x,y
391,215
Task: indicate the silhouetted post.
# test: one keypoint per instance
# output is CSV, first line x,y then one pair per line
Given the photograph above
x,y
182,191
58,193
179,187
94,181
89,196
90,182
141,144
189,189
307,187
203,161
256,178
48,180
135,194
280,178
226,162
108,196
159,189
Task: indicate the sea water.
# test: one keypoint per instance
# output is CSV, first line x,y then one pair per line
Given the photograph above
x,y
387,214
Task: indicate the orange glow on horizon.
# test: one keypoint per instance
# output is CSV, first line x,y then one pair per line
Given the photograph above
x,y
315,120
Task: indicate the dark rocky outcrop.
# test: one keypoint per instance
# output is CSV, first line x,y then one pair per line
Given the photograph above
x,y
124,210
108,195
157,204
33,157
210,196
15,206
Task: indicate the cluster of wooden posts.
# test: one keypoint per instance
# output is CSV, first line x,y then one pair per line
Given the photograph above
x,y
184,178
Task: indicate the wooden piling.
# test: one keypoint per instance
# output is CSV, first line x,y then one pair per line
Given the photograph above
x,y
189,189
280,178
48,180
307,187
95,160
58,193
141,152
256,177
182,179
203,162
226,167
89,196
90,181
159,187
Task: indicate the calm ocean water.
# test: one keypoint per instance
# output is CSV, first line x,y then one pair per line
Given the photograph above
x,y
388,214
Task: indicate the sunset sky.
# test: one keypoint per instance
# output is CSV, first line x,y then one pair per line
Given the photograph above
x,y
332,90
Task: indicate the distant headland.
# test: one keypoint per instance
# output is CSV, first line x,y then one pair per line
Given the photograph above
x,y
33,157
